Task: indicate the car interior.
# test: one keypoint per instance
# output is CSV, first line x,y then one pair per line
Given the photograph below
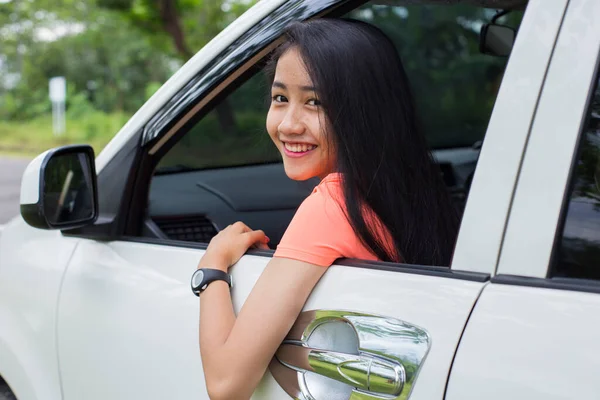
x,y
225,168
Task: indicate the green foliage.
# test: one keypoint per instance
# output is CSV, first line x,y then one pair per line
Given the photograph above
x,y
151,88
184,26
114,54
455,86
35,135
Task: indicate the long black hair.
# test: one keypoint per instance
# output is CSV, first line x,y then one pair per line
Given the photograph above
x,y
383,158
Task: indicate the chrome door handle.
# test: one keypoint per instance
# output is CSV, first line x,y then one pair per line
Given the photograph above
x,y
372,375
331,354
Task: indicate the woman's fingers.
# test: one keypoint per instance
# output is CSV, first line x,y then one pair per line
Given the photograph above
x,y
261,246
252,235
255,237
241,227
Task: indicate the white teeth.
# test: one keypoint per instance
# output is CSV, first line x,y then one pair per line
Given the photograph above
x,y
299,148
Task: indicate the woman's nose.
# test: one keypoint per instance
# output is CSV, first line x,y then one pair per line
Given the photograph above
x,y
291,124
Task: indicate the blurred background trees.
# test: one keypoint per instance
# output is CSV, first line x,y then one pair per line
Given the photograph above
x,y
114,54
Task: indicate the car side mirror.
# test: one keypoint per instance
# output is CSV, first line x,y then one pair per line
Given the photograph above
x,y
59,190
496,40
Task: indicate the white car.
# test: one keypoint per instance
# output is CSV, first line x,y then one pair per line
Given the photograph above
x,y
95,299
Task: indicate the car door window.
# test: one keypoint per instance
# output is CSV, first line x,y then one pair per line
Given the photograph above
x,y
578,245
224,167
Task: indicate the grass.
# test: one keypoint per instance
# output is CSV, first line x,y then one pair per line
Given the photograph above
x,y
30,138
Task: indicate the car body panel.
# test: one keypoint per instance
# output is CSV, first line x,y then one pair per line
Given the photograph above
x,y
32,263
127,313
531,344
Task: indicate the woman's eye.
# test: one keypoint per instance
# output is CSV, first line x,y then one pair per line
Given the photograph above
x,y
313,102
279,98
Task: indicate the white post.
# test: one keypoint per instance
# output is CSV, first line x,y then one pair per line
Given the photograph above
x,y
54,119
58,95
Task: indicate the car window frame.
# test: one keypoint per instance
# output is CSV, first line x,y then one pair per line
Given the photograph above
x,y
133,206
157,145
523,237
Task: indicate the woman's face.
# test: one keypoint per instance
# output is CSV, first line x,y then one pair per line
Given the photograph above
x,y
295,120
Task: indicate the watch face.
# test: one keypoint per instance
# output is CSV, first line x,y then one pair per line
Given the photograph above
x,y
197,278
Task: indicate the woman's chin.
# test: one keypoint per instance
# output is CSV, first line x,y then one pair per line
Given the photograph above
x,y
297,174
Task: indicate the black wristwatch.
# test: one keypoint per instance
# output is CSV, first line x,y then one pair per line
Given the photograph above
x,y
203,276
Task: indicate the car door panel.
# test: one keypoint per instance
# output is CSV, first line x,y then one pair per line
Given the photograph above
x,y
127,314
32,264
529,343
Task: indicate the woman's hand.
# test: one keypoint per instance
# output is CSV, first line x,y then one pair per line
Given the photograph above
x,y
229,245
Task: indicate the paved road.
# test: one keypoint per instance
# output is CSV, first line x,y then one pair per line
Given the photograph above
x,y
11,170
5,393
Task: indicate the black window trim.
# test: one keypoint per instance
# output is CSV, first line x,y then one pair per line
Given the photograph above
x,y
557,283
443,272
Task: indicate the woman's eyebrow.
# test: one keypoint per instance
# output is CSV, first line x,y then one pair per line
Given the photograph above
x,y
281,85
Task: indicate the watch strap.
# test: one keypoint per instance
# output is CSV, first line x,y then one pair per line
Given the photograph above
x,y
204,276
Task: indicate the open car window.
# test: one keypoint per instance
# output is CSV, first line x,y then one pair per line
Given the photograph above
x,y
225,167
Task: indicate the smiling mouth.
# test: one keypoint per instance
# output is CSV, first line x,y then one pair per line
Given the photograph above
x,y
298,148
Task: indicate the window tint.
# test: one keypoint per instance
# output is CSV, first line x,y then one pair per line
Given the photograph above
x,y
579,244
454,84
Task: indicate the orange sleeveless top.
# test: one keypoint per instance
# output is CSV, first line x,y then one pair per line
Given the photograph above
x,y
320,232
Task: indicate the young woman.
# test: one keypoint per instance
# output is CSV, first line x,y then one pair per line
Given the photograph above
x,y
341,110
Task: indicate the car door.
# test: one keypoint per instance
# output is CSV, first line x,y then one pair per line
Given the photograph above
x,y
128,323
534,331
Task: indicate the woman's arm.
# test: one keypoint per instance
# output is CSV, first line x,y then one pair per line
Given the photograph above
x,y
236,352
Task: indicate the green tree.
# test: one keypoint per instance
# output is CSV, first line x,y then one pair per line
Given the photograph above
x,y
113,52
189,24
107,62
